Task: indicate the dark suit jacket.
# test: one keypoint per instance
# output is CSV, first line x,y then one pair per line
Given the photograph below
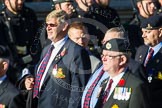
x,y
139,94
65,90
155,67
137,69
7,93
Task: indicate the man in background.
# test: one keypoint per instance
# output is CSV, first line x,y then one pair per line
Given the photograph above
x,y
145,9
18,27
149,55
78,33
8,92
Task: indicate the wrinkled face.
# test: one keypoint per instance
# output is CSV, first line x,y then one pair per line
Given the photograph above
x,y
67,7
79,37
14,5
148,6
53,28
111,61
151,37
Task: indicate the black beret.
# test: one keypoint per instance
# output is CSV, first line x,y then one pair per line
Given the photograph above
x,y
61,1
4,52
116,44
153,22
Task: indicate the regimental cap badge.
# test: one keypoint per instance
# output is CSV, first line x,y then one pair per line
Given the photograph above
x,y
108,46
153,22
116,44
149,26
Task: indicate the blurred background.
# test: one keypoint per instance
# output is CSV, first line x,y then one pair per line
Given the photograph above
x,y
42,7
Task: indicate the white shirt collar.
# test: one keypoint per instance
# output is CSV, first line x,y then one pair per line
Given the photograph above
x,y
156,48
58,43
2,78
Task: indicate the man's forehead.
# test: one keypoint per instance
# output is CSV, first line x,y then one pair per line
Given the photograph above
x,y
110,52
52,19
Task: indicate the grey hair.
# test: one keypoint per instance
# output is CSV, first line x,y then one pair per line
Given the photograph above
x,y
59,14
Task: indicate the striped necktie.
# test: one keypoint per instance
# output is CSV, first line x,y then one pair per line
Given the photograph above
x,y
104,93
90,91
150,55
41,71
107,91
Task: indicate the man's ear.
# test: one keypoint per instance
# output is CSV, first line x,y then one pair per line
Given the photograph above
x,y
6,64
123,60
160,30
6,2
57,7
139,5
65,26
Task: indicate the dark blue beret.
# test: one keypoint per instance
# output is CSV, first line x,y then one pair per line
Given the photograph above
x,y
153,22
116,44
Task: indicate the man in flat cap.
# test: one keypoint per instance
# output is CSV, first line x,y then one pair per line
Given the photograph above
x,y
122,89
150,55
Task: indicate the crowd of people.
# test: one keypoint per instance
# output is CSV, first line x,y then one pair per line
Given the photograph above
x,y
88,58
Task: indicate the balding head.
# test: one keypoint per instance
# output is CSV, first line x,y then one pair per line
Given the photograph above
x,y
116,32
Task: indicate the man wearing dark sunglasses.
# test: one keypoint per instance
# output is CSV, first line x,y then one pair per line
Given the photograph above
x,y
63,70
65,5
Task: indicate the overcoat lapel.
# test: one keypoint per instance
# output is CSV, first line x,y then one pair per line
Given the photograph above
x,y
3,87
111,100
143,55
56,60
156,59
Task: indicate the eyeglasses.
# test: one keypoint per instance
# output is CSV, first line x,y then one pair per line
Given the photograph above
x,y
51,25
110,57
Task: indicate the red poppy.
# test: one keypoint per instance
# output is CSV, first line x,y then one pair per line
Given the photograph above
x,y
121,82
63,52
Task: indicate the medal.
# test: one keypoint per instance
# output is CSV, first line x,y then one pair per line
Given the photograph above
x,y
150,75
149,79
98,94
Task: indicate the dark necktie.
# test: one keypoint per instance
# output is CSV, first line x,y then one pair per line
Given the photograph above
x,y
104,93
107,91
41,71
90,91
150,54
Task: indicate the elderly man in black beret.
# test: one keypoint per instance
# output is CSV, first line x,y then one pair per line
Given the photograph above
x,y
122,89
150,55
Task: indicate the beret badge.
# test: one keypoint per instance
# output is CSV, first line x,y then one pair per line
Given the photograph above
x,y
149,26
108,46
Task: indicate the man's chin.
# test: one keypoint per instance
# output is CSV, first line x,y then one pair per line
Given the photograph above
x,y
146,43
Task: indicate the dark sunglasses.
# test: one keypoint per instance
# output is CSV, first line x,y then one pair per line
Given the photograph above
x,y
51,25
